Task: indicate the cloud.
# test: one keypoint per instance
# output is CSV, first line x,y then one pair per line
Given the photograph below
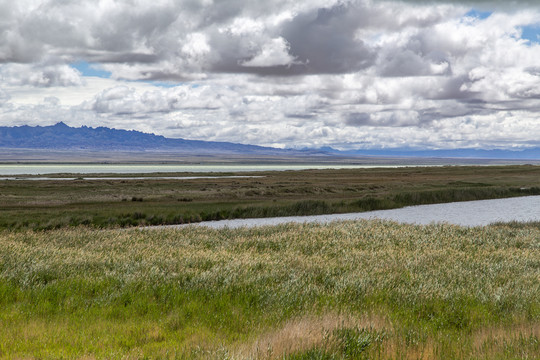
x,y
323,40
350,73
52,100
274,53
4,98
40,75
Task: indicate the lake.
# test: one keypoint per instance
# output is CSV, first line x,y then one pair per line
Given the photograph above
x,y
40,178
466,213
42,169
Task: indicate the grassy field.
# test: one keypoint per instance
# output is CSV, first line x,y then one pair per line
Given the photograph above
x,y
73,285
124,203
353,290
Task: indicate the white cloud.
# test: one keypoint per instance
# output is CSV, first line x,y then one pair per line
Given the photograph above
x,y
355,73
273,53
4,98
40,75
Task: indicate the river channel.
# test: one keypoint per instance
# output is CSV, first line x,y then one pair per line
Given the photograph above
x,y
466,213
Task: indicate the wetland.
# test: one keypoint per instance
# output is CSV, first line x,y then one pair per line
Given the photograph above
x,y
79,280
178,198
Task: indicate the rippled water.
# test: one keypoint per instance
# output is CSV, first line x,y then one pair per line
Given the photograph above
x,y
467,213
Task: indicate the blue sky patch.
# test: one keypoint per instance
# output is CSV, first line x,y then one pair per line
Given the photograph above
x,y
89,69
531,33
479,14
163,84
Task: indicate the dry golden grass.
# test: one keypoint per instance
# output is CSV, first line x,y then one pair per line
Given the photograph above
x,y
304,333
491,341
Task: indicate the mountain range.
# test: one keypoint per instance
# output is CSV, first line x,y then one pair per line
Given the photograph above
x,y
521,154
64,137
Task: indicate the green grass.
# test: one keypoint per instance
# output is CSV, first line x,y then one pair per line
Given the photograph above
x,y
519,225
350,290
46,205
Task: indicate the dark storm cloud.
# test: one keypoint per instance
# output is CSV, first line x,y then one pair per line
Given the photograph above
x,y
301,116
452,110
533,70
395,118
323,41
130,57
452,88
490,4
320,41
358,119
409,63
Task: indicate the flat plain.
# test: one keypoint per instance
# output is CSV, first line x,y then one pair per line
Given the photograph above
x,y
30,204
347,290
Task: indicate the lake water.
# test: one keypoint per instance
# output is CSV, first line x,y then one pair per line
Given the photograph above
x,y
43,169
39,178
467,213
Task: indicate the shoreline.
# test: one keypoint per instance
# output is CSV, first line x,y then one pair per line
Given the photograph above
x,y
109,201
462,213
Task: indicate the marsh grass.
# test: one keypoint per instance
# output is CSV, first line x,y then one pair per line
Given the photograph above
x,y
156,213
519,225
49,205
349,290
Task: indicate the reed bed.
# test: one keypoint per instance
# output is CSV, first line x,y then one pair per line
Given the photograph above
x,y
347,290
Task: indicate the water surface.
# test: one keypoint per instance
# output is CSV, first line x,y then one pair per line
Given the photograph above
x,y
91,178
43,169
466,213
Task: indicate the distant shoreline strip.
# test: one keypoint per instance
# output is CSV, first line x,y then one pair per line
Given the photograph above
x,y
88,178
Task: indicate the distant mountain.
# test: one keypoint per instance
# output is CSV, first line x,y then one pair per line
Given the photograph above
x,y
64,137
523,154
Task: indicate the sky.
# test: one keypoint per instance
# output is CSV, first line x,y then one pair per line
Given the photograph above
x,y
350,74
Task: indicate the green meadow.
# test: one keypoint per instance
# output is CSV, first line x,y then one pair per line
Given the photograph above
x,y
350,290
